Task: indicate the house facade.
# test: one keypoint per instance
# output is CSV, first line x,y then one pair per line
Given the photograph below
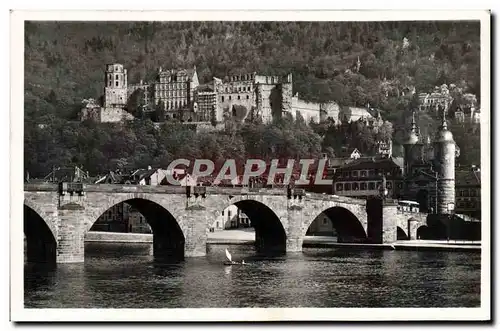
x,y
231,218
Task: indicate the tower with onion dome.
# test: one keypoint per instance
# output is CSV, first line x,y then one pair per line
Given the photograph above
x,y
444,157
412,147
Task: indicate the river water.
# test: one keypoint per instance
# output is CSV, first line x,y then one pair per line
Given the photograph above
x,y
118,277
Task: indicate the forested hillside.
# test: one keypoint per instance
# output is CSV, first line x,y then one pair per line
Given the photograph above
x,y
64,62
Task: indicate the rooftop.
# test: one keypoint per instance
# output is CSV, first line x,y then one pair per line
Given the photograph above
x,y
374,163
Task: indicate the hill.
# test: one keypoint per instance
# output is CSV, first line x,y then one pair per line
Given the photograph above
x,y
64,61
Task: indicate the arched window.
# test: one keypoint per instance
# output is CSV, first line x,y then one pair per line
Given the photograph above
x,y
339,186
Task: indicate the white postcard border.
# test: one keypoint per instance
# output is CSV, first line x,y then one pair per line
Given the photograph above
x,y
19,313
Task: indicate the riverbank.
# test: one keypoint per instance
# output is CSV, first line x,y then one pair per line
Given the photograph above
x,y
117,237
247,237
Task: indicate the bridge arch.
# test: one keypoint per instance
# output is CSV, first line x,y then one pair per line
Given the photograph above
x,y
41,243
49,220
166,222
270,233
423,232
401,234
348,226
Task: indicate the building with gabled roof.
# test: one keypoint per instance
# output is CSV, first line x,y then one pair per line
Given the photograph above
x,y
361,178
468,191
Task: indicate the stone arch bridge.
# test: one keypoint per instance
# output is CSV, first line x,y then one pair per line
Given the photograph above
x,y
57,217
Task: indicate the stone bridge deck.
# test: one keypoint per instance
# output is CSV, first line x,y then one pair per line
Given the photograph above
x,y
279,219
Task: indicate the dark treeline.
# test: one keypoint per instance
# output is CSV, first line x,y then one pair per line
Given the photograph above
x,y
100,147
64,63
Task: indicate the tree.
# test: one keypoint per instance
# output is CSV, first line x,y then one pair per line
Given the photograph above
x,y
213,117
160,112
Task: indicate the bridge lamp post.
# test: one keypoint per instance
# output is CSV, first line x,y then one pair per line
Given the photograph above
x,y
451,208
383,192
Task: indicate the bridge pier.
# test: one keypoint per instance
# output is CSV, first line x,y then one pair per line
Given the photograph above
x,y
389,227
382,221
295,233
71,234
196,232
412,229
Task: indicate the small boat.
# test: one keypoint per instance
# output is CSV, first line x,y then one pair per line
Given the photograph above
x,y
230,260
230,263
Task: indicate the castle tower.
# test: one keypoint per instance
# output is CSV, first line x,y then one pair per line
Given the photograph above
x,y
412,147
115,88
444,155
286,93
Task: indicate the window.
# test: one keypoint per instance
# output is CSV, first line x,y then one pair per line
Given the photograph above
x,y
116,83
117,77
363,173
238,97
229,97
389,185
325,221
371,185
248,97
229,213
355,173
345,174
222,98
339,186
363,186
347,186
355,186
140,219
222,213
371,173
109,83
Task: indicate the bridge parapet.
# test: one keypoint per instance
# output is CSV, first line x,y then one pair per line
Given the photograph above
x,y
157,189
335,198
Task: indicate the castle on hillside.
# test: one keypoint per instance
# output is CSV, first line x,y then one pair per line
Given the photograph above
x,y
176,94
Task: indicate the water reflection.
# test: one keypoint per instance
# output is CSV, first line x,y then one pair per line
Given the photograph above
x,y
314,278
